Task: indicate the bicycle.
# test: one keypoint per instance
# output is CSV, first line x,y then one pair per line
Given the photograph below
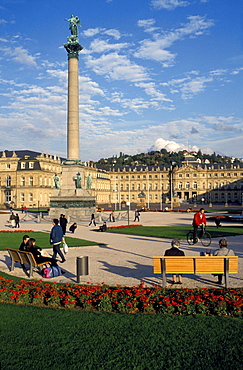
x,y
204,237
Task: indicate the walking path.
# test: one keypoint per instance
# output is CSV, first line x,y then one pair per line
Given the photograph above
x,y
126,259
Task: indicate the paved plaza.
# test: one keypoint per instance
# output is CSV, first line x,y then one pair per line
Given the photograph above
x,y
126,259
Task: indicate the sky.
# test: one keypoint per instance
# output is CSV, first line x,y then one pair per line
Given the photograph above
x,y
153,74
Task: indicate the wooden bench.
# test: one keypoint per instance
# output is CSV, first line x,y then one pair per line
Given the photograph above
x,y
196,265
25,258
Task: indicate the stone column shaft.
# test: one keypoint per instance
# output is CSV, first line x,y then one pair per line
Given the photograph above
x,y
73,110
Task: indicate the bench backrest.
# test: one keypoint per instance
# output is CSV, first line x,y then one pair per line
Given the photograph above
x,y
23,257
14,254
194,265
27,258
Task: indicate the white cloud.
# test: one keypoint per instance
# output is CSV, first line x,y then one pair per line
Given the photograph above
x,y
172,146
100,46
151,90
20,55
169,4
157,49
193,87
117,67
112,32
90,32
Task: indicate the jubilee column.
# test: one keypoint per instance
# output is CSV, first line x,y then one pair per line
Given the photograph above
x,y
72,195
73,48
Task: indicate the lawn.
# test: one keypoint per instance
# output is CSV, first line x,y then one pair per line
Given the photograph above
x,y
14,239
176,231
39,338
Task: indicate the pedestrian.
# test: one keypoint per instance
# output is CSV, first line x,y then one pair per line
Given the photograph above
x,y
12,219
112,216
137,214
56,237
92,219
223,251
63,223
174,251
16,220
217,222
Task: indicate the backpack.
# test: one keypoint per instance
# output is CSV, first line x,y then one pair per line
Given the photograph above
x,y
50,272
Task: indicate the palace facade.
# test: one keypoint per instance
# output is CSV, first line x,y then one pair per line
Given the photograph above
x,y
27,178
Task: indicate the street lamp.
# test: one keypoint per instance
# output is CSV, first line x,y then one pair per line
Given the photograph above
x,y
161,202
128,204
172,166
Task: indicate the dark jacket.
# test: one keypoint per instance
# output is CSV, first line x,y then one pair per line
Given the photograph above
x,y
22,247
174,251
56,235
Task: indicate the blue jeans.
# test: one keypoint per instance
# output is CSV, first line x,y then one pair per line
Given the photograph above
x,y
57,250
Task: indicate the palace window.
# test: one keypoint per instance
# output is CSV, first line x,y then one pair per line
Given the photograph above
x,y
8,181
31,181
22,197
8,196
22,181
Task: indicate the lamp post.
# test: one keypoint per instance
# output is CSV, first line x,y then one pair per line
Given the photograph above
x,y
172,166
128,211
161,202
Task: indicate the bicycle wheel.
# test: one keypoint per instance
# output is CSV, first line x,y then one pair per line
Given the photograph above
x,y
189,237
206,239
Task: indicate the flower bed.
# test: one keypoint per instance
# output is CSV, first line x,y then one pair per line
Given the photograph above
x,y
122,226
136,299
16,231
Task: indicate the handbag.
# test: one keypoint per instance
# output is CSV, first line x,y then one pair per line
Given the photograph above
x,y
65,247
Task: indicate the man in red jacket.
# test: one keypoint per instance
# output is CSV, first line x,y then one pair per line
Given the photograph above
x,y
198,220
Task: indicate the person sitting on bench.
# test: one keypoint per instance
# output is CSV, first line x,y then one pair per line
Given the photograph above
x,y
22,246
223,251
174,251
36,251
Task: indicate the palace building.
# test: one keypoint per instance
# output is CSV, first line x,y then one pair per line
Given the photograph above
x,y
27,178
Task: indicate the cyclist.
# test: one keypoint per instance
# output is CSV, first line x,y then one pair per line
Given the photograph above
x,y
198,220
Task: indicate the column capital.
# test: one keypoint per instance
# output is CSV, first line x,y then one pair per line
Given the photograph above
x,y
73,48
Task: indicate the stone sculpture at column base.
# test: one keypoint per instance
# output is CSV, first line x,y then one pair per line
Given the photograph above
x,y
77,203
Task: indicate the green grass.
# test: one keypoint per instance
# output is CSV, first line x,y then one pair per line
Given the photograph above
x,y
13,240
177,231
44,338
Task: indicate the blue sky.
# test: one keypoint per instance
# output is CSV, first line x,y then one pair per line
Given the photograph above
x,y
153,74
